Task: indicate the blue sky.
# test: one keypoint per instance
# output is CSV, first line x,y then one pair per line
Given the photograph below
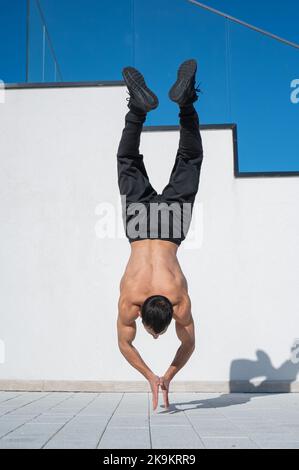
x,y
86,32
245,77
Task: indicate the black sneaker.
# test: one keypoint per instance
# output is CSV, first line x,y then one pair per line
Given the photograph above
x,y
183,92
141,97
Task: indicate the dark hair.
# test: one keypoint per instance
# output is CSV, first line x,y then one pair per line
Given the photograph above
x,y
156,312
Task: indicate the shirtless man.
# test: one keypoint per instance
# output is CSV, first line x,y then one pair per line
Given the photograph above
x,y
153,286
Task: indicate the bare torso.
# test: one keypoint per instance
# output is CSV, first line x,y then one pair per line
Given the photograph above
x,y
152,269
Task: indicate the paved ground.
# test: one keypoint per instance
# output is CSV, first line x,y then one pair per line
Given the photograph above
x,y
126,420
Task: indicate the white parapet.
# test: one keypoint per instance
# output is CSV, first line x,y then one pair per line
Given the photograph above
x,y
60,278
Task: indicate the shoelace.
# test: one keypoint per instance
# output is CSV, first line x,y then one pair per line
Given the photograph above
x,y
197,89
128,97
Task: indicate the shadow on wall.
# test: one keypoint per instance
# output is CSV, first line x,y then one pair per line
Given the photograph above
x,y
244,371
243,374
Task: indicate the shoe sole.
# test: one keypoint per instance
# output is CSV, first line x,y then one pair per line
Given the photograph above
x,y
186,73
133,77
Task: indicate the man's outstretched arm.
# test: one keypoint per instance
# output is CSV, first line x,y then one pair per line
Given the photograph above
x,y
185,333
126,335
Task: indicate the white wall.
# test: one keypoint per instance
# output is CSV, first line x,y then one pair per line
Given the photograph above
x,y
59,280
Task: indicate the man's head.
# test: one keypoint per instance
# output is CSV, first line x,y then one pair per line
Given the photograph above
x,y
156,314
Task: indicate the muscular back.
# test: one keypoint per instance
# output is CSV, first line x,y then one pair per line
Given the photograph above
x,y
153,269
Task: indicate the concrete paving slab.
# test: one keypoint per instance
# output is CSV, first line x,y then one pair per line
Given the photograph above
x,y
229,443
126,420
175,437
216,428
279,445
130,421
30,435
77,435
125,438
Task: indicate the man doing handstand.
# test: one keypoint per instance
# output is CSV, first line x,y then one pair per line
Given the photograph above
x,y
153,285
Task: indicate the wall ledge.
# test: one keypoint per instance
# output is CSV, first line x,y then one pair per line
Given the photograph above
x,y
235,386
46,85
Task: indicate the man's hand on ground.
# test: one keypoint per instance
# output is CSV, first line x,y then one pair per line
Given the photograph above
x,y
154,382
164,383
